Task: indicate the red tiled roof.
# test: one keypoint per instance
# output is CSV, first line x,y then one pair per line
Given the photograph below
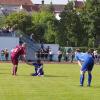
x,y
16,2
31,7
58,8
79,4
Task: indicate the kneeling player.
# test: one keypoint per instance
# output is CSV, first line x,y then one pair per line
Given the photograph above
x,y
38,68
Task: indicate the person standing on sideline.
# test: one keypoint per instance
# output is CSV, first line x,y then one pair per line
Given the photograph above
x,y
50,55
86,62
18,51
6,54
95,55
59,55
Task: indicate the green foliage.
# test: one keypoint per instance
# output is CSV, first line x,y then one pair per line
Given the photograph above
x,y
90,20
19,21
80,27
2,20
47,21
70,28
38,30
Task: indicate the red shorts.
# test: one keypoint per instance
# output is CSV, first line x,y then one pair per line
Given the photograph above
x,y
14,60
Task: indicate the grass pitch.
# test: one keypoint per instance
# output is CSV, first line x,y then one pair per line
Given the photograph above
x,y
61,82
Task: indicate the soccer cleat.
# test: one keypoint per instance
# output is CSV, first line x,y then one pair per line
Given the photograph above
x,y
81,85
41,75
88,85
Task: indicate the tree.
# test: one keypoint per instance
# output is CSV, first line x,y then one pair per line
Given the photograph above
x,y
19,21
70,28
2,20
47,20
90,17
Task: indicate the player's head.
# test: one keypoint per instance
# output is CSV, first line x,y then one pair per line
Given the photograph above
x,y
38,61
78,50
90,51
24,45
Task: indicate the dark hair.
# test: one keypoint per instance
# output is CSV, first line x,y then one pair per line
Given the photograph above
x,y
78,50
90,50
38,61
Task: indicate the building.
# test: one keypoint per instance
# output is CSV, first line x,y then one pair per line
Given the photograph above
x,y
78,4
8,6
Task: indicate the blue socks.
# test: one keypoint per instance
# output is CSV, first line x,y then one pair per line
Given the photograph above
x,y
81,79
89,79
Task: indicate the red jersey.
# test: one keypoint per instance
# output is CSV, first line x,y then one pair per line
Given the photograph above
x,y
19,50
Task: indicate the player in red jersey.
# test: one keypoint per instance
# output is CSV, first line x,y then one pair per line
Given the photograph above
x,y
15,54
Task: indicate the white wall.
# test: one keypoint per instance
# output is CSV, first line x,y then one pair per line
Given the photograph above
x,y
8,42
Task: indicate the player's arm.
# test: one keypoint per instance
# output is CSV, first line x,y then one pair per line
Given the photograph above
x,y
29,63
79,63
24,58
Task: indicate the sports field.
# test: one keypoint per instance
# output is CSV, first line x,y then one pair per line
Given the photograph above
x,y
61,82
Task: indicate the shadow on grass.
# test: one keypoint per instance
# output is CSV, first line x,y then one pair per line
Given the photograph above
x,y
43,76
29,75
6,73
54,76
5,68
96,86
24,75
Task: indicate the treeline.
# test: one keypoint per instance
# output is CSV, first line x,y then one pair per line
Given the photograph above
x,y
77,26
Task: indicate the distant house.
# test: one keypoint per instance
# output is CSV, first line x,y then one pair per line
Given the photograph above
x,y
57,9
16,2
78,4
8,6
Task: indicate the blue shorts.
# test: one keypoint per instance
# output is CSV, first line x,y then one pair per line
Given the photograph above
x,y
87,65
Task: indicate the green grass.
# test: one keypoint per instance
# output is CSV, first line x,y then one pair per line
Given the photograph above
x,y
61,82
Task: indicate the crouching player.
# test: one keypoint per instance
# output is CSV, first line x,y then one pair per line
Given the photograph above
x,y
18,51
38,68
86,62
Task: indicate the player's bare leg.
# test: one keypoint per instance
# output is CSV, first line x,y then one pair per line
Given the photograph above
x,y
14,69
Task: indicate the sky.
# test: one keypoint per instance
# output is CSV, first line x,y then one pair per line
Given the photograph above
x,y
53,1
48,1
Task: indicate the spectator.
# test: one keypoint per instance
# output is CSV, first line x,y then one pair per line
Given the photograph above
x,y
20,39
59,55
31,37
95,55
38,54
2,55
66,56
6,53
42,45
46,51
72,56
50,55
